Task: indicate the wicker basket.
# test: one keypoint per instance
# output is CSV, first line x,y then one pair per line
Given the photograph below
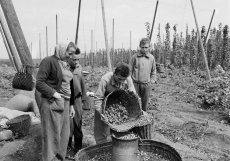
x,y
128,99
105,149
132,104
20,125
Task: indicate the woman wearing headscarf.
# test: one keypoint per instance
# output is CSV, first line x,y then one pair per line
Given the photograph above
x,y
53,82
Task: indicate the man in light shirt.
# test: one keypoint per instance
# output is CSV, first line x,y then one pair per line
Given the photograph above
x,y
111,81
143,72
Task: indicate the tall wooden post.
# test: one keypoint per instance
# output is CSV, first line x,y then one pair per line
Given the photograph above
x,y
96,46
40,48
47,52
153,21
130,40
130,46
31,48
15,31
8,49
206,37
9,42
56,29
91,41
106,37
113,36
201,44
78,20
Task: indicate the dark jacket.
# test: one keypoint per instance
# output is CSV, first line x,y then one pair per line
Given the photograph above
x,y
78,88
49,77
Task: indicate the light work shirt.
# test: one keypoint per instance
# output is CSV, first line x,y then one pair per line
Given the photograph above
x,y
143,68
108,85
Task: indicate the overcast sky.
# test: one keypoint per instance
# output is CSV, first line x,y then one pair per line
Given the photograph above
x,y
128,15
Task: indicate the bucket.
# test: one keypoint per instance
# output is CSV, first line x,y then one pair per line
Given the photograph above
x,y
124,149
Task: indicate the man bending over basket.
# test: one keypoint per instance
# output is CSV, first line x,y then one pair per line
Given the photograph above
x,y
111,81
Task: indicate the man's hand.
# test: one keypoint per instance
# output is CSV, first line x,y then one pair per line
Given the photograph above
x,y
57,95
72,112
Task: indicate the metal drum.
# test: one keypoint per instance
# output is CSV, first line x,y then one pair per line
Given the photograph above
x,y
103,152
124,150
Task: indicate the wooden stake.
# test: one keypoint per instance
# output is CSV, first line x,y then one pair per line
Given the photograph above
x,y
91,41
40,48
201,44
10,42
130,40
113,36
106,37
16,32
153,21
78,20
8,48
47,52
56,29
206,37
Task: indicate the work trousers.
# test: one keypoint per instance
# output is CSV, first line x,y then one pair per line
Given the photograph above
x,y
76,126
101,130
143,91
55,126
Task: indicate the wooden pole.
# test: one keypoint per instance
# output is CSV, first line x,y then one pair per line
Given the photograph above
x,y
10,42
153,21
96,46
8,48
78,20
40,48
16,32
91,41
201,44
206,37
130,45
130,40
56,29
113,36
106,37
31,48
47,52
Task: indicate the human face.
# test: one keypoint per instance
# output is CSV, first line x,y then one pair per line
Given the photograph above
x,y
76,59
69,52
144,48
119,79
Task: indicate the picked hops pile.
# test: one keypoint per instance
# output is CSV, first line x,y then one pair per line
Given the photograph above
x,y
128,137
116,114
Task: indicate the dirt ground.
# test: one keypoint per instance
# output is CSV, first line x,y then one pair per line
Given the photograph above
x,y
198,135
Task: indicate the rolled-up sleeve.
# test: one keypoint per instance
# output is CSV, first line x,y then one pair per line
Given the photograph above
x,y
100,94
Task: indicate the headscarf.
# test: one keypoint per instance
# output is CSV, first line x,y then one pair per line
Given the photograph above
x,y
60,49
